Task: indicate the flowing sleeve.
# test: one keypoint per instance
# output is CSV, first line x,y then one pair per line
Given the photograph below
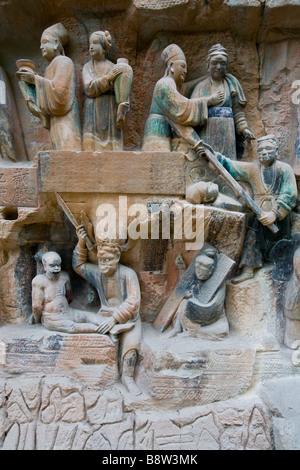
x,y
239,170
287,198
130,306
80,265
178,108
93,87
56,92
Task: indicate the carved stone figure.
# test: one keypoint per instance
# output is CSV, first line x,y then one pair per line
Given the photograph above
x,y
227,118
169,103
119,292
12,146
107,87
51,296
274,189
53,97
202,310
292,304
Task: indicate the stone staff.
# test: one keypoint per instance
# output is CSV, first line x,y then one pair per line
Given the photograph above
x,y
200,147
72,219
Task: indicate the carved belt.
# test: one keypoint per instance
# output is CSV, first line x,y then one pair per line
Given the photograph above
x,y
218,111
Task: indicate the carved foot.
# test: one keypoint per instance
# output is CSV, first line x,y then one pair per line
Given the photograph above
x,y
130,384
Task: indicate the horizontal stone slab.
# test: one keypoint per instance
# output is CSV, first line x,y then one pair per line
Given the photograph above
x,y
190,370
112,172
32,349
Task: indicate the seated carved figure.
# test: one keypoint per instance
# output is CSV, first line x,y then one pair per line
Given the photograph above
x,y
198,313
292,305
119,293
169,103
51,296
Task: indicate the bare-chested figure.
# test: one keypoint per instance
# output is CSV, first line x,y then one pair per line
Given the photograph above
x,y
51,296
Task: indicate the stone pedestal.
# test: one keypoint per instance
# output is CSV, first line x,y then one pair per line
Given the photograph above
x,y
253,307
31,350
187,369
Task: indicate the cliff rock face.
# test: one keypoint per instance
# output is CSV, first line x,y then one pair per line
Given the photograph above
x,y
60,391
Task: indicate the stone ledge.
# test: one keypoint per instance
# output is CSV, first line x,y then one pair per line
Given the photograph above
x,y
191,370
112,172
31,350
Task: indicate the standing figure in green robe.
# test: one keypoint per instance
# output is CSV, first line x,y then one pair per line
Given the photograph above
x,y
226,119
169,103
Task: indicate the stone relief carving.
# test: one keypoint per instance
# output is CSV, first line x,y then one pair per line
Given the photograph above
x,y
12,146
51,296
107,87
169,104
227,118
274,188
53,97
119,292
202,310
78,401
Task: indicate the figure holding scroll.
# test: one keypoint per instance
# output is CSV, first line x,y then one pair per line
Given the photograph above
x,y
202,312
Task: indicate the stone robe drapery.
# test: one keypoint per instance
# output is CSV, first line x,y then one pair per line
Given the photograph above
x,y
127,292
280,197
226,120
167,102
56,98
100,130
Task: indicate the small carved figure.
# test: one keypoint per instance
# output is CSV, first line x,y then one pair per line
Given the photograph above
x,y
202,192
107,87
227,118
119,292
202,310
274,189
169,103
53,97
292,305
51,296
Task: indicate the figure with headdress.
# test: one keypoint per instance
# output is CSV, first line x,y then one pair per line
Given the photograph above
x,y
169,103
274,189
107,87
53,97
119,293
226,119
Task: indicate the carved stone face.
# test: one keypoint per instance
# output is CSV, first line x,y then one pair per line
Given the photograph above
x,y
211,193
49,46
217,67
204,266
267,152
96,49
52,265
108,262
179,71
